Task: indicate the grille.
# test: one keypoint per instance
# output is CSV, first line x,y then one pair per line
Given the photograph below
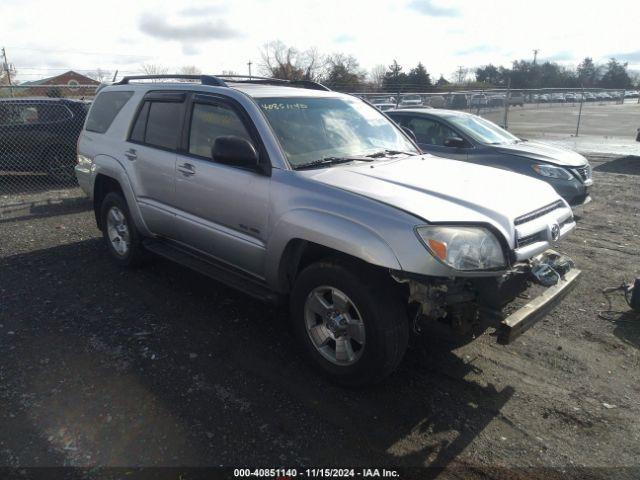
x,y
529,239
539,213
584,172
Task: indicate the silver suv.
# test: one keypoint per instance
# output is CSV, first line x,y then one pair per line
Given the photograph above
x,y
294,193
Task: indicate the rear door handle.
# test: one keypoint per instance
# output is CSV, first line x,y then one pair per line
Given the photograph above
x,y
187,169
131,154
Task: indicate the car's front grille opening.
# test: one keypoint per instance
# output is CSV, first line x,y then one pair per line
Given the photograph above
x,y
530,239
539,213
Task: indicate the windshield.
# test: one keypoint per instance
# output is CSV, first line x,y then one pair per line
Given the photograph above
x,y
311,129
482,130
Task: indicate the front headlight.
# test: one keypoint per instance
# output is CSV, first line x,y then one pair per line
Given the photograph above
x,y
552,172
463,248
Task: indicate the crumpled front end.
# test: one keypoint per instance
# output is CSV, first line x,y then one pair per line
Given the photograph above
x,y
511,303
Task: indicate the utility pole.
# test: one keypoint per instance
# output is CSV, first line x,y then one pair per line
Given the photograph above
x,y
535,55
249,63
5,64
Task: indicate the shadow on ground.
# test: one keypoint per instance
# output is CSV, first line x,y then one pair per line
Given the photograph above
x,y
629,165
162,366
627,328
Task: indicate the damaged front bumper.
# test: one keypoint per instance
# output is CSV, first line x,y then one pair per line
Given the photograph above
x,y
470,305
522,319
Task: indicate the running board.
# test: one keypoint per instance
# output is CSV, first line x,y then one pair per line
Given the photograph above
x,y
217,271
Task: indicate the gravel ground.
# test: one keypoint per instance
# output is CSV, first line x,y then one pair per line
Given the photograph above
x,y
162,366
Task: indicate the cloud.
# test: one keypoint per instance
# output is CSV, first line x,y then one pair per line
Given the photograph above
x,y
158,27
189,49
199,11
427,7
631,57
344,38
477,49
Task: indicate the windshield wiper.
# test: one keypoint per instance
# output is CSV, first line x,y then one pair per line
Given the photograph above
x,y
327,161
384,153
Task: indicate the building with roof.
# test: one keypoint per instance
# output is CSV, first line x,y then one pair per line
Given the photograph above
x,y
69,84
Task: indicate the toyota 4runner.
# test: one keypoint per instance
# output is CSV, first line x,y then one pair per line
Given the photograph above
x,y
291,192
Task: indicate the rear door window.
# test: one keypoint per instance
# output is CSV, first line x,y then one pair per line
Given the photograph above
x,y
158,124
19,114
104,110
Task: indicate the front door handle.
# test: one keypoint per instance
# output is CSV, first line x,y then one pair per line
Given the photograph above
x,y
187,169
131,154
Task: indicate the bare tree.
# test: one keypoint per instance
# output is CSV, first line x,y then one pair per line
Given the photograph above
x,y
100,75
376,75
288,63
190,70
154,69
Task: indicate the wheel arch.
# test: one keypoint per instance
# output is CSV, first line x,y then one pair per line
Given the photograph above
x,y
110,176
299,242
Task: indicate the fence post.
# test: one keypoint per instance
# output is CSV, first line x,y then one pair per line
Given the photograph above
x,y
580,111
505,120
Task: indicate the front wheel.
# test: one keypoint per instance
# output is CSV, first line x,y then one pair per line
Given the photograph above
x,y
350,322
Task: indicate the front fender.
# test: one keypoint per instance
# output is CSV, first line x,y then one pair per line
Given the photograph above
x,y
329,230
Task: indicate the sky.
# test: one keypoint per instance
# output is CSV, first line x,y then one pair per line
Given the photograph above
x,y
44,38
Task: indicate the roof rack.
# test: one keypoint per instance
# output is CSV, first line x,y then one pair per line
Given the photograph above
x,y
219,80
204,79
275,81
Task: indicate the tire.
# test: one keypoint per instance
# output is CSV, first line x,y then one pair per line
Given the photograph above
x,y
375,302
131,252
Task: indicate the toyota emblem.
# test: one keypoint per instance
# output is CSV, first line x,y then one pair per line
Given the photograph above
x,y
555,232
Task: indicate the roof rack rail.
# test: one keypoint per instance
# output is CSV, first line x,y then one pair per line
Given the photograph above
x,y
219,80
204,79
275,81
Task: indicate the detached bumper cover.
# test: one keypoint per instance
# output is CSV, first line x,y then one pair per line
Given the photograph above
x,y
521,320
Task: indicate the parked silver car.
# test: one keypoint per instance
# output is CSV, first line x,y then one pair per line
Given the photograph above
x,y
294,193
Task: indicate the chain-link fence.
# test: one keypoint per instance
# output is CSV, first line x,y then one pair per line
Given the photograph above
x,y
535,113
39,129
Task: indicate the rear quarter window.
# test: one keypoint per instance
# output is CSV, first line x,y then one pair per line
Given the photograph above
x,y
104,110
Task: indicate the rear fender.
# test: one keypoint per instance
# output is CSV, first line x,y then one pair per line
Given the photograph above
x,y
110,167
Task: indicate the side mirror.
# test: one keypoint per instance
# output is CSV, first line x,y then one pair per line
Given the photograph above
x,y
455,142
235,151
411,134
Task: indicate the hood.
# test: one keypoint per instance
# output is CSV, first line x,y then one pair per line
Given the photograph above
x,y
545,153
442,190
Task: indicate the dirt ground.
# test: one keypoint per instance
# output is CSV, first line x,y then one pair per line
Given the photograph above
x,y
162,366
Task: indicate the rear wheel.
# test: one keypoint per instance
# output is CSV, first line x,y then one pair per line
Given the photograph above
x,y
351,323
119,231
